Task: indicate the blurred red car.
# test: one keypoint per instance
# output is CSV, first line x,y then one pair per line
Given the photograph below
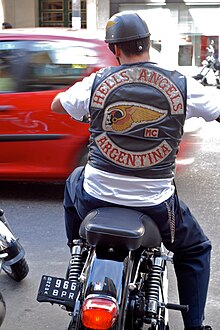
x,y
35,64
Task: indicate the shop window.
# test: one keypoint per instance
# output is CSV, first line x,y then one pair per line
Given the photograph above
x,y
59,13
52,5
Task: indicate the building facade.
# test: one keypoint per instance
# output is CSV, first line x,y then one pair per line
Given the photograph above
x,y
180,30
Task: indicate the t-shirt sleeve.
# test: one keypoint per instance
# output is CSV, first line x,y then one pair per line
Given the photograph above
x,y
75,100
201,101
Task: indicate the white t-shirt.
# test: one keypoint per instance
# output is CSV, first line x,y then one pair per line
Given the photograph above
x,y
128,190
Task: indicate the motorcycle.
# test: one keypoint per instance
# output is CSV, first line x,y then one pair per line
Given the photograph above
x,y
117,277
209,65
12,260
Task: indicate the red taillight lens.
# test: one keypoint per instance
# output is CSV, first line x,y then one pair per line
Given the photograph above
x,y
99,313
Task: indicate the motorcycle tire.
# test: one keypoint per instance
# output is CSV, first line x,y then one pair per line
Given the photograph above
x,y
18,271
2,309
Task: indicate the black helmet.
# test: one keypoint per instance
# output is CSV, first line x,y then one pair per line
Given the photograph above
x,y
125,26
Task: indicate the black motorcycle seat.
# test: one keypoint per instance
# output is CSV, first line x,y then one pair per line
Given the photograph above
x,y
120,227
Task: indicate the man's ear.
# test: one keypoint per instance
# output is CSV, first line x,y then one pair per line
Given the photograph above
x,y
118,54
117,51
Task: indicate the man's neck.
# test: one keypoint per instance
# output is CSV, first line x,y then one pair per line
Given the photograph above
x,y
135,58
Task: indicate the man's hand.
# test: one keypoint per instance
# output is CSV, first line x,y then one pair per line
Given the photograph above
x,y
218,119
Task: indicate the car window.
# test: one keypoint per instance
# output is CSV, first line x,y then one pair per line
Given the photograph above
x,y
44,65
15,55
7,83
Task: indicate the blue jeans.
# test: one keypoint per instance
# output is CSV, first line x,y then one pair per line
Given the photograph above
x,y
191,247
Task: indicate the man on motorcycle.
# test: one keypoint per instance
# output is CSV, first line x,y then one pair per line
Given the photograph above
x,y
137,111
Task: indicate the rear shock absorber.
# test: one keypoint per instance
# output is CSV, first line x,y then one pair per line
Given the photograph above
x,y
153,285
76,261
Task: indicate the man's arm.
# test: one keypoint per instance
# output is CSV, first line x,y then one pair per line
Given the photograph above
x,y
202,102
56,105
75,100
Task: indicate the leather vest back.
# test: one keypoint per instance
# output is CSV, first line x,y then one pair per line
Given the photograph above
x,y
137,116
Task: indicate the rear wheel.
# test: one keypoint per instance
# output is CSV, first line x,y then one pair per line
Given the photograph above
x,y
18,271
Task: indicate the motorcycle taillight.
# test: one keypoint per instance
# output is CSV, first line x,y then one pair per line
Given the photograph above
x,y
99,313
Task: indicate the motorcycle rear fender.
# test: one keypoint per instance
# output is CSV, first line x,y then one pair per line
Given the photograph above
x,y
106,274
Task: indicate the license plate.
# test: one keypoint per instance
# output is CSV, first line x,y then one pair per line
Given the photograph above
x,y
58,291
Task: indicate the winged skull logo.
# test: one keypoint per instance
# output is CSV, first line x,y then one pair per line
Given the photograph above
x,y
122,117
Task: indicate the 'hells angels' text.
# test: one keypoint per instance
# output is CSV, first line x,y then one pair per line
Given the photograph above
x,y
132,159
139,75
